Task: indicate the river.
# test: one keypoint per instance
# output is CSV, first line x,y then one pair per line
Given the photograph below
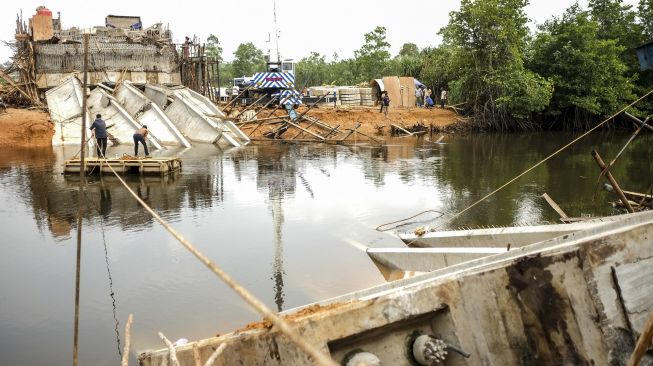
x,y
286,221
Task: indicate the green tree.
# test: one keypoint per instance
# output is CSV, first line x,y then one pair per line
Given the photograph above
x,y
588,74
312,70
409,49
372,58
487,39
618,21
408,62
213,48
247,60
645,14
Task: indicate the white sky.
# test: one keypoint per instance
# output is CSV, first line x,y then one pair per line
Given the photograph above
x,y
304,26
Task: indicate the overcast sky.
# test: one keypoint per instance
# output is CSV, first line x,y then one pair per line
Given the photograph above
x,y
304,26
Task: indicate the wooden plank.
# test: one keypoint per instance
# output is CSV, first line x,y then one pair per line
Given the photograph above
x,y
555,206
635,285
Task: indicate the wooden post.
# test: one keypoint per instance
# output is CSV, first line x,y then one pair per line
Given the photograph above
x,y
80,201
171,349
125,352
555,206
643,342
614,183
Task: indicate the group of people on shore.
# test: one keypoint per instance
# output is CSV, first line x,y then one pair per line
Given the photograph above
x,y
424,97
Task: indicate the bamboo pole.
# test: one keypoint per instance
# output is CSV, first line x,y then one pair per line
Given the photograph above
x,y
351,131
639,122
171,349
614,183
265,106
214,356
333,130
643,342
13,84
640,125
378,141
310,107
303,129
80,209
257,120
125,352
236,98
262,122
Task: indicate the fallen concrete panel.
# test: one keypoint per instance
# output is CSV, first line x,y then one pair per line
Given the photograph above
x,y
123,125
196,116
150,114
214,115
65,106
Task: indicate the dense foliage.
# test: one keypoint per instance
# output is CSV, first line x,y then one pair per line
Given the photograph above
x,y
571,72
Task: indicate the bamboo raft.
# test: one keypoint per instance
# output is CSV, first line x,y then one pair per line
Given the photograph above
x,y
124,166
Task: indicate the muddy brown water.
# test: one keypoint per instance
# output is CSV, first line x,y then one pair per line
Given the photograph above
x,y
284,220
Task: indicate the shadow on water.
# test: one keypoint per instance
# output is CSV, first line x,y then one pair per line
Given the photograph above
x,y
278,217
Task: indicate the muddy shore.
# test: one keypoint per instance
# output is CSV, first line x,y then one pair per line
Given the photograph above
x,y
25,128
33,128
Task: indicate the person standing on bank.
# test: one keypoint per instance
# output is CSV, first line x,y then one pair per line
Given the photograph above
x,y
140,135
99,128
443,98
385,103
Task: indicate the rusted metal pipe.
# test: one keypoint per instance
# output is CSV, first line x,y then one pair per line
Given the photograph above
x,y
614,183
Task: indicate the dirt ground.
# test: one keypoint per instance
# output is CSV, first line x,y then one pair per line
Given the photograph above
x,y
372,122
25,128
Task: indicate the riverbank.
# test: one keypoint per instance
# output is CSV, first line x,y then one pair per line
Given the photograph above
x,y
33,127
25,128
371,121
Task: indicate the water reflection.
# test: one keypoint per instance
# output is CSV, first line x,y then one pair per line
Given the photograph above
x,y
460,173
278,217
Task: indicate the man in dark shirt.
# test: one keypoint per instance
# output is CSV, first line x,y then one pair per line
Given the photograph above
x,y
100,129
